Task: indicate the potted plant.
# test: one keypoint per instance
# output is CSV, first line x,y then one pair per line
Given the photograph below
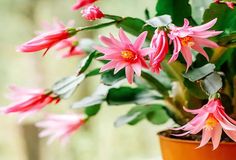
x,y
175,68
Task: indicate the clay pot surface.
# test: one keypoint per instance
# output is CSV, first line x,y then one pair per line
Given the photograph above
x,y
177,149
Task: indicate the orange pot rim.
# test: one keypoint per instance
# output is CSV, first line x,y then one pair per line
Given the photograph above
x,y
190,141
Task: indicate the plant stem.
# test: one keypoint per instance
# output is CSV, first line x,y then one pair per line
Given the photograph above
x,y
178,114
113,17
171,71
102,25
218,52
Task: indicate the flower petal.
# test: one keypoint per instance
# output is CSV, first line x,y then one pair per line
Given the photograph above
x,y
137,68
206,136
206,43
140,40
205,26
187,56
108,66
216,136
123,37
198,48
129,74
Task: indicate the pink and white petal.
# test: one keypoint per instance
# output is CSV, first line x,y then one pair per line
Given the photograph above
x,y
123,38
187,56
105,50
113,56
206,42
225,123
193,111
119,66
108,66
177,48
206,136
137,68
129,74
46,132
206,34
186,23
226,116
140,40
56,135
216,136
146,51
115,41
181,134
205,26
197,127
199,49
107,41
230,4
231,134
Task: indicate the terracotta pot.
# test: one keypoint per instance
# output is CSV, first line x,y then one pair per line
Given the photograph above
x,y
176,149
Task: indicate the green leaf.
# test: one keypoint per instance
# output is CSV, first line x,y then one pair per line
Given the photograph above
x,y
127,95
228,40
226,22
109,78
158,116
136,26
195,89
177,9
93,100
147,14
94,72
114,17
155,83
155,113
66,86
93,110
199,73
126,119
212,83
226,19
85,63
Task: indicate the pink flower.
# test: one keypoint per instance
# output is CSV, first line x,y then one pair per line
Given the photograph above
x,y
123,54
230,4
17,93
46,40
60,126
72,45
28,101
216,1
82,3
211,119
92,13
188,37
160,45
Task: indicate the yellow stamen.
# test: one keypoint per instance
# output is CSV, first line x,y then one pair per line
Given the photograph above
x,y
211,122
187,41
128,55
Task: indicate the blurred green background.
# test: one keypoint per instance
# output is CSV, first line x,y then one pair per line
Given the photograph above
x,y
98,140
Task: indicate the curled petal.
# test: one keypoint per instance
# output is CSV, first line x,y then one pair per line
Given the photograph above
x,y
205,26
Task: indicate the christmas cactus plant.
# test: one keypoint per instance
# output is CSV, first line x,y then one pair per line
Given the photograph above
x,y
175,69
